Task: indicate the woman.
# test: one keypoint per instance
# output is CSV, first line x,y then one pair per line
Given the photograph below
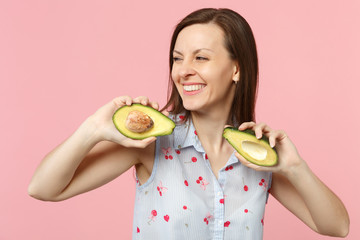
x,y
191,184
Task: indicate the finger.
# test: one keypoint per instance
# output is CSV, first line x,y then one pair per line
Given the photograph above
x,y
154,105
144,142
138,143
272,141
246,125
251,165
261,129
227,126
276,135
121,101
166,113
142,100
128,100
247,163
258,129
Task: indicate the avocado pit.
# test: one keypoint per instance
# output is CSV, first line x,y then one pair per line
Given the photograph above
x,y
138,122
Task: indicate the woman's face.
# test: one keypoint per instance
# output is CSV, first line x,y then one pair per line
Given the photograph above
x,y
203,71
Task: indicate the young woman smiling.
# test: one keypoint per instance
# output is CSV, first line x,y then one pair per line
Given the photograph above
x,y
192,184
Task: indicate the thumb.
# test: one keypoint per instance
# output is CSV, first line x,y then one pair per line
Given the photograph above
x,y
249,164
143,143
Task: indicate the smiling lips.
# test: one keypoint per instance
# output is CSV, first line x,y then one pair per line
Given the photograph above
x,y
192,89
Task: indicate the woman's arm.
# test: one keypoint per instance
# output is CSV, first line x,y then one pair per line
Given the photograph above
x,y
296,187
302,193
93,155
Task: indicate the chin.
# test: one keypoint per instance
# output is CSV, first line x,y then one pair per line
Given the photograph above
x,y
193,105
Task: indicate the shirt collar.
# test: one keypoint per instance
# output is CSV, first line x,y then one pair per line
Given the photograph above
x,y
185,136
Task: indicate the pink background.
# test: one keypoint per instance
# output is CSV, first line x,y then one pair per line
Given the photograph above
x,y
61,60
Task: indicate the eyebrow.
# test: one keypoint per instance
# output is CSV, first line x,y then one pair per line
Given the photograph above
x,y
196,51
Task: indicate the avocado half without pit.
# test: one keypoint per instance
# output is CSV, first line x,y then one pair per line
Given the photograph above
x,y
139,122
257,151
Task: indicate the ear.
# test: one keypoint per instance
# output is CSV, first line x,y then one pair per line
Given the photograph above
x,y
236,73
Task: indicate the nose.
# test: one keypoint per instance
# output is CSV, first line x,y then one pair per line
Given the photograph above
x,y
186,70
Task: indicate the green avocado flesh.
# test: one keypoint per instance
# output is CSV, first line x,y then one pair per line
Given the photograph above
x,y
162,125
257,151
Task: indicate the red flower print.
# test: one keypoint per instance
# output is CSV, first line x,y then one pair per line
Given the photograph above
x,y
186,183
182,117
262,221
226,224
177,151
137,229
229,168
152,216
221,201
166,218
166,152
195,132
161,189
246,188
247,211
186,208
193,160
206,157
206,219
202,182
263,184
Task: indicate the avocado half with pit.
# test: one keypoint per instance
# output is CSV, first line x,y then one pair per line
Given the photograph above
x,y
139,122
257,151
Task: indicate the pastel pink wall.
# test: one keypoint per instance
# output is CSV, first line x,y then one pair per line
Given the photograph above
x,y
61,60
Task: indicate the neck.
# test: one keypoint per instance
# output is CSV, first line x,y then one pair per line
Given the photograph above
x,y
209,127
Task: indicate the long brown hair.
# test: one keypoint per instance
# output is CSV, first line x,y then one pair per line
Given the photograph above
x,y
240,43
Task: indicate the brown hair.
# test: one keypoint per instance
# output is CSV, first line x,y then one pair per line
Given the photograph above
x,y
240,43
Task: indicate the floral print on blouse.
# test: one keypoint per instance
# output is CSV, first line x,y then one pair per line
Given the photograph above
x,y
183,199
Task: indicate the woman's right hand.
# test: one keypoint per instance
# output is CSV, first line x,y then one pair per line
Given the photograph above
x,y
95,147
105,129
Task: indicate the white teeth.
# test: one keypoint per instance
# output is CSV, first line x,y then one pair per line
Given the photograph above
x,y
190,88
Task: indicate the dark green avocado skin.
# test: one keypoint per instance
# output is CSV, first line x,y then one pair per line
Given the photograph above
x,y
252,133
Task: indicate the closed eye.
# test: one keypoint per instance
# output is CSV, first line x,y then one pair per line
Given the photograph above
x,y
176,59
200,58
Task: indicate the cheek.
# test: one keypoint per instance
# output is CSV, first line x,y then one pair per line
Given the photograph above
x,y
174,75
219,78
175,80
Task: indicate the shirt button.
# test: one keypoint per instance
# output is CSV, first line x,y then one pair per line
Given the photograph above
x,y
220,222
219,193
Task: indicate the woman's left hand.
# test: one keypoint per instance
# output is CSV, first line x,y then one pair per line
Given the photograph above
x,y
288,157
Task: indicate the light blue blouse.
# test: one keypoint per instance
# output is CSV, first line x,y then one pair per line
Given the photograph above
x,y
183,199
